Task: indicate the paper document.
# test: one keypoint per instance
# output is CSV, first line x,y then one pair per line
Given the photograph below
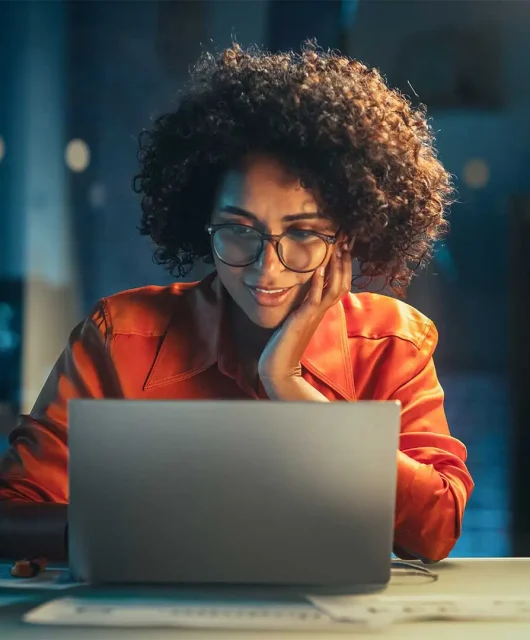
x,y
86,612
428,607
320,613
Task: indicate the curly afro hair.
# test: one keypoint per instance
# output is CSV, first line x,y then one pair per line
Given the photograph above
x,y
363,150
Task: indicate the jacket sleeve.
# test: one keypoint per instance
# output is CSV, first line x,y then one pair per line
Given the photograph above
x,y
34,468
433,484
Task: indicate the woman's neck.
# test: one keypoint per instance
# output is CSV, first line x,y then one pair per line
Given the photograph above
x,y
249,338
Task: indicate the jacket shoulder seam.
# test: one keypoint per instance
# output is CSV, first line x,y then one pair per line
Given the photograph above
x,y
416,341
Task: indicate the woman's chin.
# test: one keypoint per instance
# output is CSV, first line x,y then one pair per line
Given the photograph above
x,y
269,319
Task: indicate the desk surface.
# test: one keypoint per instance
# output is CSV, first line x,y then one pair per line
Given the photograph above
x,y
487,577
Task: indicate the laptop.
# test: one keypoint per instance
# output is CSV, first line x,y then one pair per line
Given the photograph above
x,y
268,494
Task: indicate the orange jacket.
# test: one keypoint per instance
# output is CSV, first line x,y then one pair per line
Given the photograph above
x,y
172,342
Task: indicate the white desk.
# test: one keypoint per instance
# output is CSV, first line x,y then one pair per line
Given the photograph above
x,y
488,577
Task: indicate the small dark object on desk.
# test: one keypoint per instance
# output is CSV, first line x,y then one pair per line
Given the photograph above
x,y
28,568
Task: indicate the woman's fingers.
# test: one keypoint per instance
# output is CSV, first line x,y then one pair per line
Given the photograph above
x,y
325,293
334,278
339,282
314,295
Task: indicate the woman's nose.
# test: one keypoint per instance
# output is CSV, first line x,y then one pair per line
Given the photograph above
x,y
268,260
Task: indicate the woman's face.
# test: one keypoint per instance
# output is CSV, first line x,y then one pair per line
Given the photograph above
x,y
263,196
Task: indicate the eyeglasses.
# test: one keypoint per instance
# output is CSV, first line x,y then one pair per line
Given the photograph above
x,y
238,245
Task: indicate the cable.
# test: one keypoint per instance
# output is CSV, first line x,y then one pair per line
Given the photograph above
x,y
403,568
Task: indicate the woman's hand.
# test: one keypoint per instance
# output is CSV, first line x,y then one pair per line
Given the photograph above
x,y
279,365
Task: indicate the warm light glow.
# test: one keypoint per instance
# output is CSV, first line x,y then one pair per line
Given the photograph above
x,y
77,155
476,173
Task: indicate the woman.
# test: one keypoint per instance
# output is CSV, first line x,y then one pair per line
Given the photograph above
x,y
280,169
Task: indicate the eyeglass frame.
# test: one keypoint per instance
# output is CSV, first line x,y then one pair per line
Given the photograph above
x,y
273,239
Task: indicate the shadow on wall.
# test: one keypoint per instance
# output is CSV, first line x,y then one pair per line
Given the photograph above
x,y
8,421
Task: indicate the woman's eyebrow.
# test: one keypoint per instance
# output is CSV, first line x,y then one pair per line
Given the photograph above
x,y
238,211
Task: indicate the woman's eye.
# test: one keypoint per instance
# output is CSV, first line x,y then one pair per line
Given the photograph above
x,y
301,234
243,231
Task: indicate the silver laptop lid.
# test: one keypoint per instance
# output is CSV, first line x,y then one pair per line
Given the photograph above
x,y
233,492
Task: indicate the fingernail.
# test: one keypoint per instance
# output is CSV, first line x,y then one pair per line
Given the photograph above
x,y
339,253
321,271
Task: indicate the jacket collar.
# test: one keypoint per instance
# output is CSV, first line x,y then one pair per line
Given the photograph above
x,y
200,318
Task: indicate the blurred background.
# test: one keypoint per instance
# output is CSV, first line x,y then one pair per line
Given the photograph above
x,y
79,80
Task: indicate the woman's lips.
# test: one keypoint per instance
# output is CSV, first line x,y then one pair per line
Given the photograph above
x,y
269,297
